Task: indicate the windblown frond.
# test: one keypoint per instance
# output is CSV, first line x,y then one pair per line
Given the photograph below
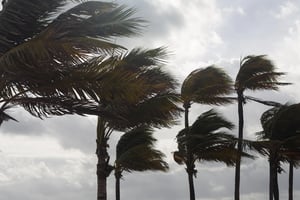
x,y
23,20
207,86
95,19
136,152
257,73
3,115
159,110
44,106
207,141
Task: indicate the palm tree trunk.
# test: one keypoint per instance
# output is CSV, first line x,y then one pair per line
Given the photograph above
x,y
101,171
271,176
118,179
274,164
190,166
103,168
186,107
276,187
291,177
240,138
191,184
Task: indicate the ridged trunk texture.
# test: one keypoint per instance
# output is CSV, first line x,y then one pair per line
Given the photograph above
x,y
103,167
101,171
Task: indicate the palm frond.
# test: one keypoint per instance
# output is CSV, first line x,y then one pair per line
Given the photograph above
x,y
206,140
162,110
209,122
3,115
141,158
207,86
148,63
135,152
224,154
136,136
44,106
264,102
25,20
95,19
257,72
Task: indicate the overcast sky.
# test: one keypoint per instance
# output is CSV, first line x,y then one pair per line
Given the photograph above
x,y
55,158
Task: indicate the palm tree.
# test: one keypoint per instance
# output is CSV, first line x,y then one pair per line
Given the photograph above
x,y
57,58
153,105
205,86
205,140
136,152
281,129
53,60
256,73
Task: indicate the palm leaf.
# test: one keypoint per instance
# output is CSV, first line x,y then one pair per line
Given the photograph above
x,y
206,140
135,137
44,106
162,110
3,115
95,19
257,72
207,86
26,19
135,152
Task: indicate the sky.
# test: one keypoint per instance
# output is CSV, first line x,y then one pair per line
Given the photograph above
x,y
55,158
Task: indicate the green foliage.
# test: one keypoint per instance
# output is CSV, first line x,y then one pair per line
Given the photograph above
x,y
49,51
207,141
149,98
136,152
257,73
207,86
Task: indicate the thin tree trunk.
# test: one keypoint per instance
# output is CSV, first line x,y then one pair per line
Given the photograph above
x,y
186,107
191,184
271,176
118,179
276,187
274,164
101,172
190,166
240,138
103,168
291,177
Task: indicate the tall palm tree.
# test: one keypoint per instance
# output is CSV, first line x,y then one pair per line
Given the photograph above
x,y
255,73
48,50
54,59
154,105
281,128
205,140
205,86
136,152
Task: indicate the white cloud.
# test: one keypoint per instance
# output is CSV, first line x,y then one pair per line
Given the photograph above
x,y
286,9
56,160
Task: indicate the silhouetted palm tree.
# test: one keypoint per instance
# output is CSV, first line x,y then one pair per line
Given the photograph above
x,y
206,140
255,73
281,128
204,86
54,59
136,152
153,105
